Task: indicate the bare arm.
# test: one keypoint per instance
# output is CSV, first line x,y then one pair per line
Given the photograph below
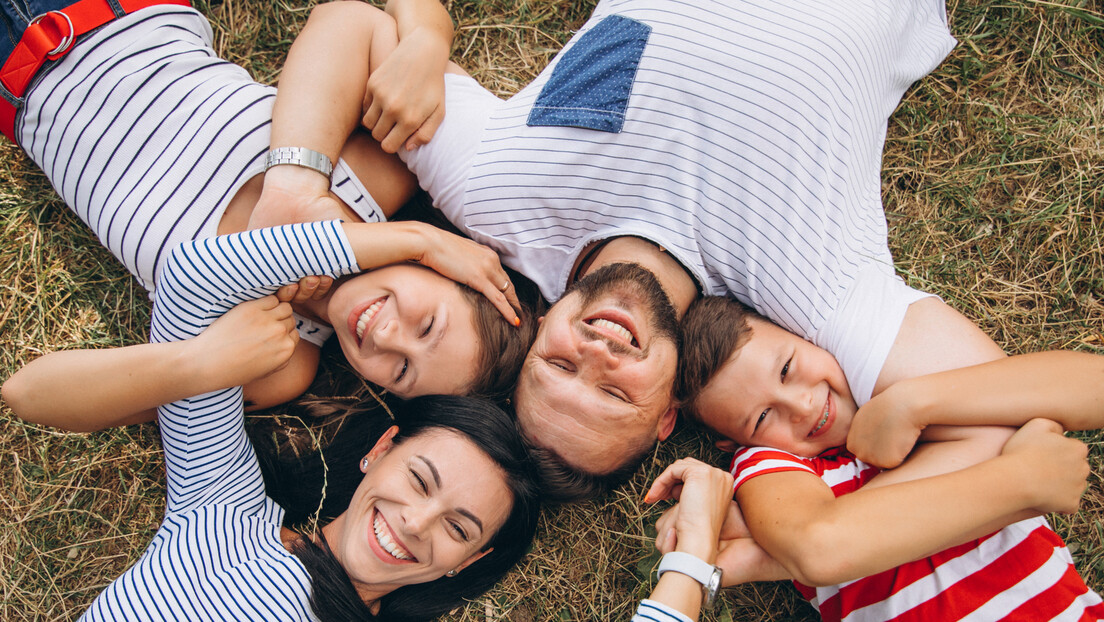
x,y
88,390
798,521
1067,387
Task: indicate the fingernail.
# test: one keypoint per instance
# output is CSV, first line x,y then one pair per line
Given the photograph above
x,y
517,321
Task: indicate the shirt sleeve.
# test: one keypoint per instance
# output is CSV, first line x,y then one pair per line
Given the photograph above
x,y
651,611
751,462
207,453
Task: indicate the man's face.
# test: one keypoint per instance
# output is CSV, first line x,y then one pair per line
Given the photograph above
x,y
597,382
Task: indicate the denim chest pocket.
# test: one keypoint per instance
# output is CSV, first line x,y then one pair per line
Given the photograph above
x,y
590,86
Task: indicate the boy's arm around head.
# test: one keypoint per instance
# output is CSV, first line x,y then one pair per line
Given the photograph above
x,y
1064,386
825,540
90,390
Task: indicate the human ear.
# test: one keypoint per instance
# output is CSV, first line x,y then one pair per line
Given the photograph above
x,y
382,446
726,444
667,423
474,558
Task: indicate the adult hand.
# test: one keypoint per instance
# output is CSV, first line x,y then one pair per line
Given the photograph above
x,y
704,494
294,194
1055,467
473,264
738,555
882,432
252,340
404,102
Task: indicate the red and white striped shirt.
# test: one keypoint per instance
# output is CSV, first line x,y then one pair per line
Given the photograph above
x,y
1022,572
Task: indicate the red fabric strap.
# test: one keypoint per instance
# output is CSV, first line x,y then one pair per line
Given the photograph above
x,y
49,37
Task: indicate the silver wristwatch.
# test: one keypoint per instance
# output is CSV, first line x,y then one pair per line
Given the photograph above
x,y
299,156
703,572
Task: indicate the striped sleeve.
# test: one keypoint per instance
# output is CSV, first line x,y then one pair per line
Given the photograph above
x,y
751,462
652,611
207,454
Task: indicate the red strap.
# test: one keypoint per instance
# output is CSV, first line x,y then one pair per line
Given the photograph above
x,y
49,37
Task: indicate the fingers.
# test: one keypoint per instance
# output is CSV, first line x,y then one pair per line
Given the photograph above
x,y
505,299
669,483
426,131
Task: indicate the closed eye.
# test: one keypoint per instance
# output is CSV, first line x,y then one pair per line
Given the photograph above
x,y
402,372
425,332
460,532
421,482
785,370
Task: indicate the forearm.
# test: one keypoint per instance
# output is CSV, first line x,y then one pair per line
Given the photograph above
x,y
424,16
1064,386
89,390
823,540
323,80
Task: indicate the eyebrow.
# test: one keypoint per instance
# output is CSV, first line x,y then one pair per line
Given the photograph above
x,y
437,480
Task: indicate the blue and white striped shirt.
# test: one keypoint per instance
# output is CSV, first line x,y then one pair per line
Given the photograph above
x,y
218,554
147,135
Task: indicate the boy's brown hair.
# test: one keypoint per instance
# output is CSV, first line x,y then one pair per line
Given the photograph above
x,y
713,329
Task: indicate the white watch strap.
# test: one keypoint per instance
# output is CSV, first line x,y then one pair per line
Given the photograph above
x,y
300,156
687,564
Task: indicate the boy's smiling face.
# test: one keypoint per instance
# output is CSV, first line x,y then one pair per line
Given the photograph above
x,y
779,391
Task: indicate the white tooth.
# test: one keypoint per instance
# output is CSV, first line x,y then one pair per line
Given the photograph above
x,y
619,329
386,542
367,316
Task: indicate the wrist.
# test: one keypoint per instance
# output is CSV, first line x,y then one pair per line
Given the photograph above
x,y
297,180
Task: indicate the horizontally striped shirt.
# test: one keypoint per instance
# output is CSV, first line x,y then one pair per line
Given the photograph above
x,y
1022,572
750,150
218,554
147,135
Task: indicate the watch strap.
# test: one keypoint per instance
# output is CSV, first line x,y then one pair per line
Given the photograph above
x,y
299,156
697,569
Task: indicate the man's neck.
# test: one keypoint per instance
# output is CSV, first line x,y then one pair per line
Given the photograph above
x,y
674,278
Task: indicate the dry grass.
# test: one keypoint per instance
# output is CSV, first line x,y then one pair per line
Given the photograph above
x,y
994,186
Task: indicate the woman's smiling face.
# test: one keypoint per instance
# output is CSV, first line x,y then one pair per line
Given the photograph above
x,y
425,507
407,329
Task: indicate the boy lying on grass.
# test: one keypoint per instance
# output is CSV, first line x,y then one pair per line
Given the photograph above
x,y
953,533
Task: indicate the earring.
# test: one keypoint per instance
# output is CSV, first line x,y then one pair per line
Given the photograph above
x,y
364,464
451,573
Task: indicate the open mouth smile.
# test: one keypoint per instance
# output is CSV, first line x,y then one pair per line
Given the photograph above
x,y
387,543
823,417
365,317
613,329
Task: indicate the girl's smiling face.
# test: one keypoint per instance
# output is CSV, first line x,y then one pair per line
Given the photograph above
x,y
425,507
407,329
779,391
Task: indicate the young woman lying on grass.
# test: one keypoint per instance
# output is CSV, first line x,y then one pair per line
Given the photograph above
x,y
446,505
947,535
152,141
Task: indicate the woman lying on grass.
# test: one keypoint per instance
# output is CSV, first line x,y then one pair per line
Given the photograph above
x,y
446,505
152,141
947,535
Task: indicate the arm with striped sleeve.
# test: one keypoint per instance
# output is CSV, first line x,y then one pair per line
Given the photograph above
x,y
207,453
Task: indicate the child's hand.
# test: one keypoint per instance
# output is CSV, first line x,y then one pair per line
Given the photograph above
x,y
882,433
252,340
308,288
704,494
1056,467
742,560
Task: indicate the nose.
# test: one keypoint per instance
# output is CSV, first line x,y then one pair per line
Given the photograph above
x,y
798,402
596,354
417,519
387,336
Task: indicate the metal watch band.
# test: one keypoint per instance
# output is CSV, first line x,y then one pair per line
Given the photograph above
x,y
299,156
701,571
